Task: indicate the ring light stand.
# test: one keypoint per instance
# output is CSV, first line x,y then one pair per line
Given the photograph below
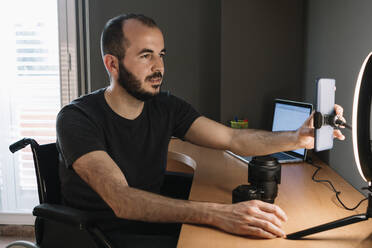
x,y
334,224
362,146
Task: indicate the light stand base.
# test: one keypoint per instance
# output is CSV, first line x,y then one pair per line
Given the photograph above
x,y
334,224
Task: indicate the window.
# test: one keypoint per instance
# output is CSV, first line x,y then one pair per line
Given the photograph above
x,y
33,87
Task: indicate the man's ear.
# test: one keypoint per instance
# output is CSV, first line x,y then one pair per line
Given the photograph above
x,y
112,65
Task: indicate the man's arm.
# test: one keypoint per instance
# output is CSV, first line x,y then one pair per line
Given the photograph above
x,y
250,142
248,218
245,142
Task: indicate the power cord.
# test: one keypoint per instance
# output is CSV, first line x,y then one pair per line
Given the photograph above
x,y
310,161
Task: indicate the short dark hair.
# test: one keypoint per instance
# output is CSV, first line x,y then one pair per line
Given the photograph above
x,y
113,39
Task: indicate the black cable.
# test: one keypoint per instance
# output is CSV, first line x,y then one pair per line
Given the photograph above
x,y
310,161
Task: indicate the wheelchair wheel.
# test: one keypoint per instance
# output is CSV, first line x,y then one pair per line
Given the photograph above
x,y
22,244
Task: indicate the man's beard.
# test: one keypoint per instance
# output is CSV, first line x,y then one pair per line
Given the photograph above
x,y
133,86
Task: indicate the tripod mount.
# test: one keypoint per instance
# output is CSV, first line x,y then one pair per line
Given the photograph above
x,y
331,120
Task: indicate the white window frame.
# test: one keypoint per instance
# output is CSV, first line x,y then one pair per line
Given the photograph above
x,y
72,53
74,69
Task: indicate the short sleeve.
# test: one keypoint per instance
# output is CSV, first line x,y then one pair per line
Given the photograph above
x,y
77,134
184,115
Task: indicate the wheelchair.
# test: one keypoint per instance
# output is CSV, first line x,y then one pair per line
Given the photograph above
x,y
57,225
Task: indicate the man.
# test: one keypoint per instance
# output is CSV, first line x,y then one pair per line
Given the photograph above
x,y
114,141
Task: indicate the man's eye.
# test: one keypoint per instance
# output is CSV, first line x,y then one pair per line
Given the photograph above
x,y
145,56
162,55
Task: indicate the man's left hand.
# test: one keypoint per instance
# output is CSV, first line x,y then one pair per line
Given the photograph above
x,y
305,133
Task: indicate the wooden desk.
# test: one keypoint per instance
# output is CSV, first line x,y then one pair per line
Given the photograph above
x,y
305,202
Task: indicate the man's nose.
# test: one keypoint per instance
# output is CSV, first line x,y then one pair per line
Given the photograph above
x,y
158,64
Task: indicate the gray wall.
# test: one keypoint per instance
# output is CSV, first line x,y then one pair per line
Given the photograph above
x,y
261,57
192,39
338,38
232,58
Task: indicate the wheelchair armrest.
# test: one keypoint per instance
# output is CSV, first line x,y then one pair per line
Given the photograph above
x,y
72,216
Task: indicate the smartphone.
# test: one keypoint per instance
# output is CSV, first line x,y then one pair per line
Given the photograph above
x,y
325,104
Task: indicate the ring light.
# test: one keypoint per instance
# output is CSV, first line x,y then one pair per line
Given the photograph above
x,y
361,120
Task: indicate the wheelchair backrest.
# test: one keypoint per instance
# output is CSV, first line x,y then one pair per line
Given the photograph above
x,y
46,166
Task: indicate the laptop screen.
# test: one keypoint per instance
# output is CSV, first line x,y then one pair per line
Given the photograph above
x,y
290,116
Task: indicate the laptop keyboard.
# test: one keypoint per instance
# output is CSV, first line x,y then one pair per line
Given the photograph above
x,y
281,156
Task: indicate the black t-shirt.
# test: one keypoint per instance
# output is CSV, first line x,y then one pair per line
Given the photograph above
x,y
139,147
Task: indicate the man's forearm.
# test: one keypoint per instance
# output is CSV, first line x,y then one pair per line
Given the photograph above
x,y
246,218
145,206
255,218
258,142
247,142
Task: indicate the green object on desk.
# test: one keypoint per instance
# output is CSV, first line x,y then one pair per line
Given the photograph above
x,y
239,124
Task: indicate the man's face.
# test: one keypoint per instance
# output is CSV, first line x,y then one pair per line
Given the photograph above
x,y
142,69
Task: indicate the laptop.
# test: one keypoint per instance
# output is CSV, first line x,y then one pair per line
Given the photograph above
x,y
287,116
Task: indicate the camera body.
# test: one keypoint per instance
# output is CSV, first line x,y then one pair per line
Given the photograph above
x,y
264,175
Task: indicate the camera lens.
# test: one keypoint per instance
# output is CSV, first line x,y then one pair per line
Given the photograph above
x,y
264,173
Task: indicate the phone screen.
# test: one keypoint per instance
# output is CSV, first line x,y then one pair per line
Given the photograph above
x,y
325,104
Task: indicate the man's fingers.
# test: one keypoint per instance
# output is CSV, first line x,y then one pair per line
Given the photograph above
x,y
269,217
258,232
342,118
339,110
340,113
271,208
337,134
254,218
309,121
266,226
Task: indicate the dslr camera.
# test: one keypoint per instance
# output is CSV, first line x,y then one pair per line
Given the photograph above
x,y
264,175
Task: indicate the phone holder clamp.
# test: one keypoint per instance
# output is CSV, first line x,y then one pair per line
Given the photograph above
x,y
331,120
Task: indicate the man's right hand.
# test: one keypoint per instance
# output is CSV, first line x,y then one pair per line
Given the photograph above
x,y
252,218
